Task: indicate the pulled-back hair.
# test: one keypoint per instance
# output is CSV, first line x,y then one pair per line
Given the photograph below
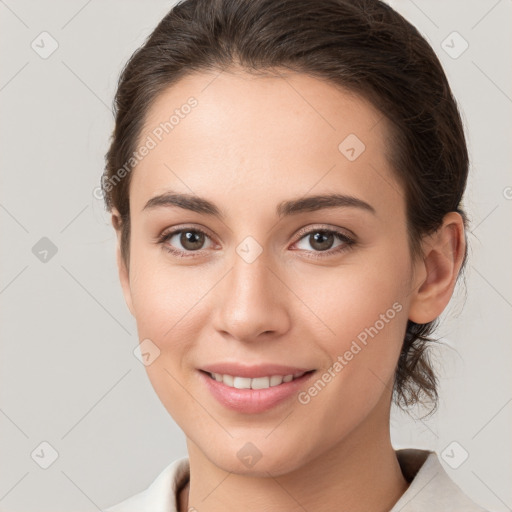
x,y
363,46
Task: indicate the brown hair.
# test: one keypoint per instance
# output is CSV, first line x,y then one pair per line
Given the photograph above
x,y
361,45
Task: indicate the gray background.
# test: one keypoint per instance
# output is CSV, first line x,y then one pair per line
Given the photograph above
x,y
68,373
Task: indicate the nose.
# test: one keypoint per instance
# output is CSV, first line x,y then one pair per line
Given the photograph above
x,y
251,302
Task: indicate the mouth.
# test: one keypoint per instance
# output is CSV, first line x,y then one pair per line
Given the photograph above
x,y
254,395
265,382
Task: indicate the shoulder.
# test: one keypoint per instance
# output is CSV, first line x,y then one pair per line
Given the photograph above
x,y
160,495
430,487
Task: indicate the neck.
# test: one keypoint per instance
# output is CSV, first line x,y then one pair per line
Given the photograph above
x,y
361,473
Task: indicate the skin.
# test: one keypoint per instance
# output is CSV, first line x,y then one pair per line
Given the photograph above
x,y
250,143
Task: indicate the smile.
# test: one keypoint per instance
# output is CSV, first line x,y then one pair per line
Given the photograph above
x,y
256,383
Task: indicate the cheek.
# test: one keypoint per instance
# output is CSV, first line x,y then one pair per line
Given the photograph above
x,y
362,354
163,295
350,299
362,310
166,303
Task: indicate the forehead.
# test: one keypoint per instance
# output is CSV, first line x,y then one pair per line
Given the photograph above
x,y
259,136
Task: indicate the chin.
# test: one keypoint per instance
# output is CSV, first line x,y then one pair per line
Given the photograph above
x,y
251,460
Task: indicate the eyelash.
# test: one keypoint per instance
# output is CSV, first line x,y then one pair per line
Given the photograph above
x,y
348,242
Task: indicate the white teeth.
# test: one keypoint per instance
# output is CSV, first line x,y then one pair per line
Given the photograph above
x,y
275,380
227,379
259,383
256,383
241,383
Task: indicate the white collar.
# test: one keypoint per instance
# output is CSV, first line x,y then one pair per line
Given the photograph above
x,y
430,489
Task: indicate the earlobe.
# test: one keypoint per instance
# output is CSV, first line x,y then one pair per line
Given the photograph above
x,y
443,254
123,271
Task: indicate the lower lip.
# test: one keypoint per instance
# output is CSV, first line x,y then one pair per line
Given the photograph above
x,y
251,401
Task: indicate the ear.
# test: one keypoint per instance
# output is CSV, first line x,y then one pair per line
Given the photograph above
x,y
124,276
437,270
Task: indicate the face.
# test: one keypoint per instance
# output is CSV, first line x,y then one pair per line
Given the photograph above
x,y
262,275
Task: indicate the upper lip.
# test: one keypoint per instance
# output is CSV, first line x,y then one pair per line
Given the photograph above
x,y
254,371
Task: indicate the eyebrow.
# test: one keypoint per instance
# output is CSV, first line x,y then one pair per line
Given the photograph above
x,y
285,208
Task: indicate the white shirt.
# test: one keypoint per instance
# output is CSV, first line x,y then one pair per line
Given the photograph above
x,y
430,488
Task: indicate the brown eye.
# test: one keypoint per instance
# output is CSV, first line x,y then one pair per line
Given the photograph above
x,y
192,240
183,241
321,240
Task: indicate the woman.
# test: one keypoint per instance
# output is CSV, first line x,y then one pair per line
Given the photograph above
x,y
285,181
